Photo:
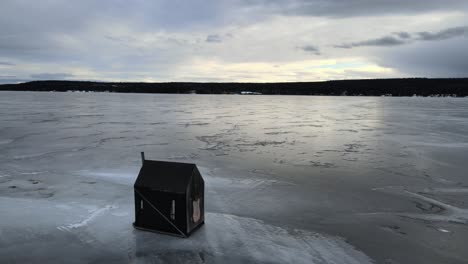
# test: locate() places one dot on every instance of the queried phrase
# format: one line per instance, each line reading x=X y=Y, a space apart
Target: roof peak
x=162 y=162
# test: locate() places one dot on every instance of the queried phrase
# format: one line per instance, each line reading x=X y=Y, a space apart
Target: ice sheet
x=289 y=179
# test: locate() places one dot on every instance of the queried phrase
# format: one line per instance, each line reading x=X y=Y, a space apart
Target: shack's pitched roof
x=165 y=176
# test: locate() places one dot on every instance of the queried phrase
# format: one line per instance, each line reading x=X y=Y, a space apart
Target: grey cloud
x=380 y=42
x=51 y=76
x=54 y=16
x=10 y=79
x=46 y=31
x=403 y=35
x=45 y=47
x=310 y=49
x=401 y=38
x=6 y=63
x=218 y=37
x=214 y=38
x=444 y=34
x=439 y=59
x=350 y=8
x=120 y=38
x=50 y=17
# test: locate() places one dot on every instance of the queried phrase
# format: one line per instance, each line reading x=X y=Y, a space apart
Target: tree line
x=376 y=87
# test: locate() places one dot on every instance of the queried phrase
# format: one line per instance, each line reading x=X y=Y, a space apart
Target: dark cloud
x=444 y=34
x=400 y=38
x=352 y=8
x=51 y=76
x=124 y=39
x=403 y=35
x=310 y=49
x=435 y=59
x=214 y=38
x=379 y=42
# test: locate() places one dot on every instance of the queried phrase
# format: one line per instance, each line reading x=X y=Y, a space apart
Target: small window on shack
x=196 y=210
x=173 y=210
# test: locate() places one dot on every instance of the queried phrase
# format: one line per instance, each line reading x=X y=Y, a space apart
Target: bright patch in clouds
x=307 y=70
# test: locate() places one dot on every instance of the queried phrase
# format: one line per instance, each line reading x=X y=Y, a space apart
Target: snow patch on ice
x=246 y=183
x=261 y=242
x=64 y=206
x=31 y=173
x=442 y=145
x=446 y=190
x=120 y=213
x=443 y=230
x=450 y=214
x=228 y=238
x=37 y=155
x=5 y=141
x=444 y=213
x=113 y=176
x=254 y=182
x=89 y=218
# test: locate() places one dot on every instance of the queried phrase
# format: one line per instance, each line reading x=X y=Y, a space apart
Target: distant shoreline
x=456 y=87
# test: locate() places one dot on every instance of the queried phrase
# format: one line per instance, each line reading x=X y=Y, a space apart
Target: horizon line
x=19 y=81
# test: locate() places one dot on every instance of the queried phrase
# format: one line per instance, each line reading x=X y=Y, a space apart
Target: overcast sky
x=236 y=40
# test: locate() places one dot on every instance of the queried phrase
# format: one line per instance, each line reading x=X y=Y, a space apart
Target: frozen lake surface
x=289 y=179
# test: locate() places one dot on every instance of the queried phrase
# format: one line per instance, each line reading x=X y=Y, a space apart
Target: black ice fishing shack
x=169 y=197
